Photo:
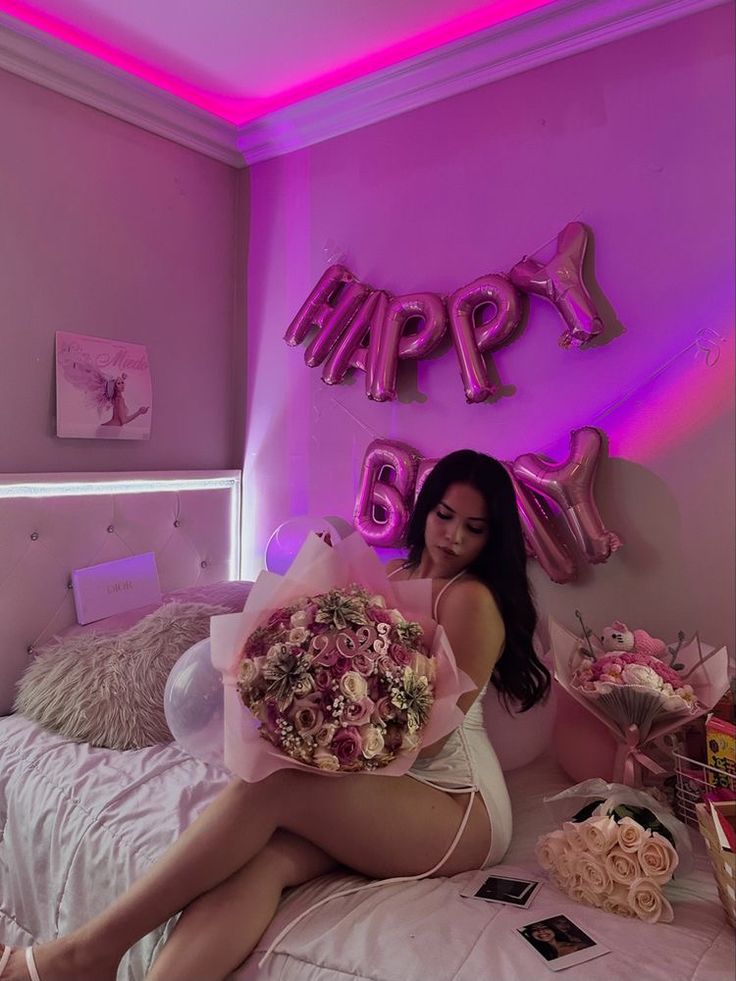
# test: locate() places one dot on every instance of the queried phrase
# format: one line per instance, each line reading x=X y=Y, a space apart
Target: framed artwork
x=103 y=388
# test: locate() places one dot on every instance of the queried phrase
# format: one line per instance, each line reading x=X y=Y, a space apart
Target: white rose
x=249 y=672
x=297 y=635
x=599 y=833
x=593 y=873
x=640 y=674
x=372 y=741
x=574 y=837
x=326 y=760
x=299 y=619
x=395 y=617
x=622 y=866
x=377 y=600
x=646 y=900
x=578 y=890
x=617 y=901
x=353 y=686
x=631 y=835
x=548 y=847
x=658 y=858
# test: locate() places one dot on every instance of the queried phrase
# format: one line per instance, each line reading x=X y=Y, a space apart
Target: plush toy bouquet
x=639 y=687
x=617 y=851
x=334 y=668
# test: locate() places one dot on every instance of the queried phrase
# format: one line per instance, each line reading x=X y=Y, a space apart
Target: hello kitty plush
x=618 y=637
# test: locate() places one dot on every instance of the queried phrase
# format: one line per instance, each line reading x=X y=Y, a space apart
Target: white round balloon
x=289 y=537
x=194 y=704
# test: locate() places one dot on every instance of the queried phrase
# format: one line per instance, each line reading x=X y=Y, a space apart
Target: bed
x=78 y=824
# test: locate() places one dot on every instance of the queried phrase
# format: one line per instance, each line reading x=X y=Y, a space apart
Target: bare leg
x=218 y=931
x=380 y=826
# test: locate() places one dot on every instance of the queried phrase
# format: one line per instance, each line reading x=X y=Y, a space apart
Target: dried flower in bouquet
x=338 y=681
x=615 y=856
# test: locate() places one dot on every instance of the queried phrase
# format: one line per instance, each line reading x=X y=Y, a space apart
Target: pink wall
x=635 y=139
x=109 y=230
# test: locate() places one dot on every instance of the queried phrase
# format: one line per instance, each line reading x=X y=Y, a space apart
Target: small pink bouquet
x=334 y=668
x=339 y=681
x=636 y=694
x=617 y=852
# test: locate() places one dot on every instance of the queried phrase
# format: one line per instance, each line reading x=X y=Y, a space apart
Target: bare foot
x=60 y=960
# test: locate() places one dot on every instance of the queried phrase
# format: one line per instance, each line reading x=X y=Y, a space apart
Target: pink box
x=115 y=587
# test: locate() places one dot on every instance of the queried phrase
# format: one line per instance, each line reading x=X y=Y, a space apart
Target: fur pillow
x=108 y=690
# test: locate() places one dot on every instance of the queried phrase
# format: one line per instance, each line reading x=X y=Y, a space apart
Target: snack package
x=720 y=742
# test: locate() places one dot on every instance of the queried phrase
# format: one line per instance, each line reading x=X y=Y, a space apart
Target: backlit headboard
x=51 y=524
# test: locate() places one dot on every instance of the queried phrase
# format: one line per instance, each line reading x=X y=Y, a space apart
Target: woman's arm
x=475 y=629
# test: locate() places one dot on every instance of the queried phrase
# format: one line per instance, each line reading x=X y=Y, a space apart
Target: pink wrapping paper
x=706 y=669
x=316 y=569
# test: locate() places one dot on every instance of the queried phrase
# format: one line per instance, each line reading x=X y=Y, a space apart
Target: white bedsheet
x=77 y=825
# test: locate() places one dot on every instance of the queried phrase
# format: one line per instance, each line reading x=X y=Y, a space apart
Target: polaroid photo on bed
x=509 y=890
x=559 y=942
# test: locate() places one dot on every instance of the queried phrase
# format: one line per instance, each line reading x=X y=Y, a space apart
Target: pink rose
x=631 y=835
x=658 y=858
x=347 y=746
x=323 y=679
x=400 y=655
x=356 y=713
x=307 y=717
x=383 y=710
x=646 y=900
x=363 y=664
x=342 y=665
x=622 y=866
x=599 y=833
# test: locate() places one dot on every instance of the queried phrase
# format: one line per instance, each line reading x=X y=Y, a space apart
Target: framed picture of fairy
x=103 y=388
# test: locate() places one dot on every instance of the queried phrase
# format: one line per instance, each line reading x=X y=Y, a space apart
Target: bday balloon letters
x=556 y=501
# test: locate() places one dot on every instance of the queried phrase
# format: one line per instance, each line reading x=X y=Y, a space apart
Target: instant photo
x=503 y=889
x=559 y=942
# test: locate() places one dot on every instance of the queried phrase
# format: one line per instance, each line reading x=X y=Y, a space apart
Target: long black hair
x=518 y=674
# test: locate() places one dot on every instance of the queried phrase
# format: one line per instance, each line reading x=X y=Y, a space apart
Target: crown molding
x=564 y=28
x=59 y=66
x=559 y=30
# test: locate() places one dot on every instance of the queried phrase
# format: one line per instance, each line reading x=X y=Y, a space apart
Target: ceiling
x=242 y=59
x=246 y=80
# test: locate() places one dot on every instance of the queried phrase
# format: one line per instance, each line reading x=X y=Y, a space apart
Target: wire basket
x=695 y=779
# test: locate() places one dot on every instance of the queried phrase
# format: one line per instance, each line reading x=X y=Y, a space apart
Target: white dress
x=468 y=762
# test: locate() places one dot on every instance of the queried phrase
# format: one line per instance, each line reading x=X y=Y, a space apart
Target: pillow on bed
x=108 y=689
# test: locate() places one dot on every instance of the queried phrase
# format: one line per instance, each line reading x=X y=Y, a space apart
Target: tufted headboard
x=51 y=524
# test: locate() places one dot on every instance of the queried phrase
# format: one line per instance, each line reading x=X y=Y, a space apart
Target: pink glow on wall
x=240 y=110
x=692 y=392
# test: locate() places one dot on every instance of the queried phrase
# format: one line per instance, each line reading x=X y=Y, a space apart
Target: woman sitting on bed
x=228 y=870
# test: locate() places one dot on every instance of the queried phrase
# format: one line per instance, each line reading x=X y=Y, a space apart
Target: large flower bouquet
x=339 y=681
x=636 y=695
x=617 y=852
x=334 y=668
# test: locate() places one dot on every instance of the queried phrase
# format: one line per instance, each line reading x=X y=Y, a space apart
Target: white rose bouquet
x=617 y=852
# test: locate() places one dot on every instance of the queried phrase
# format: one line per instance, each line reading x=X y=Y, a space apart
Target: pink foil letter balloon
x=471 y=340
x=387 y=343
x=350 y=351
x=329 y=307
x=569 y=485
x=561 y=281
x=391 y=492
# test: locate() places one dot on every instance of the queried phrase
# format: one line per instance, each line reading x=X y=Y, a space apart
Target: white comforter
x=77 y=825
